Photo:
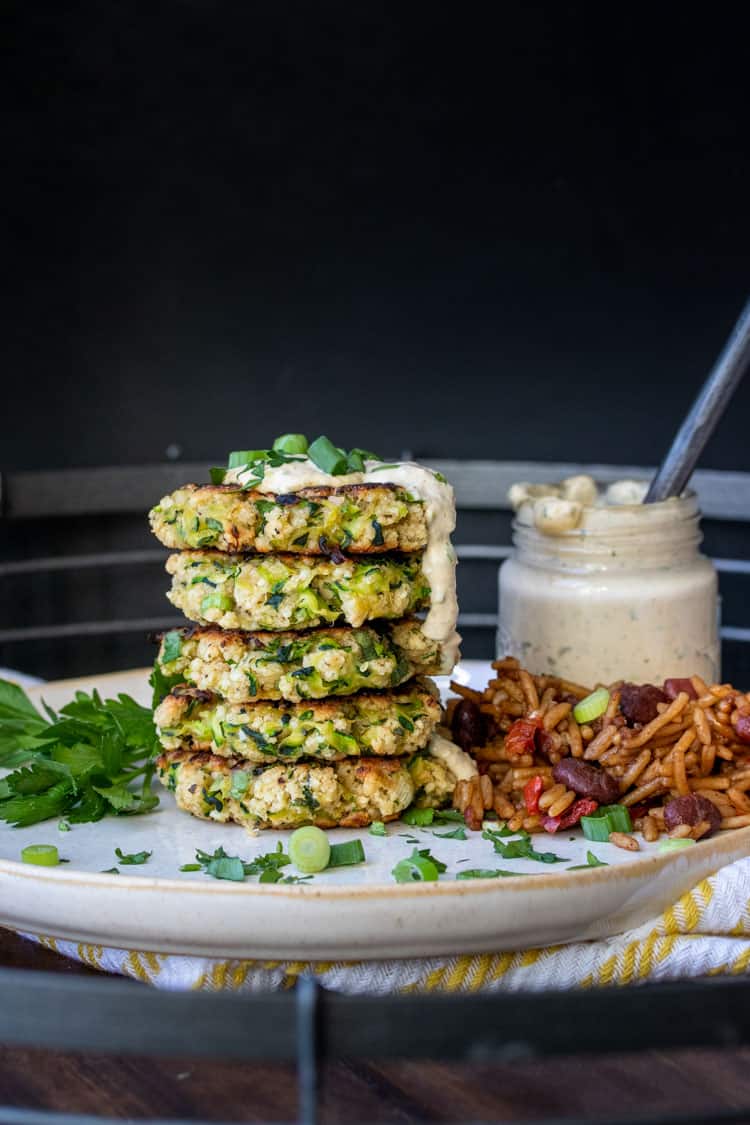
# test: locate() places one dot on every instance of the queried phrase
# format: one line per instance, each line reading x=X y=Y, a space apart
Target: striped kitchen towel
x=707 y=932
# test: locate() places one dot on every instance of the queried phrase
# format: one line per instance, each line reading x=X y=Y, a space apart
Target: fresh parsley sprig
x=93 y=758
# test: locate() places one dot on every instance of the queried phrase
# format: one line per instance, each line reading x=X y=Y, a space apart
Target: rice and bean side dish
x=671 y=759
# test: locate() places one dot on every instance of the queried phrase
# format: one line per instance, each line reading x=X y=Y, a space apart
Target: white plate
x=356 y=912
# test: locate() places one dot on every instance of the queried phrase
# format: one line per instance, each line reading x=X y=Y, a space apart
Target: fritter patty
x=293 y=591
x=348 y=794
x=242 y=667
x=356 y=518
x=380 y=723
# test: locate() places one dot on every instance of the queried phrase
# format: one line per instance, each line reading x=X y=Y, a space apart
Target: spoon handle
x=677 y=467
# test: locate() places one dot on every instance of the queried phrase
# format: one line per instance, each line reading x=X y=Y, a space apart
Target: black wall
x=407 y=227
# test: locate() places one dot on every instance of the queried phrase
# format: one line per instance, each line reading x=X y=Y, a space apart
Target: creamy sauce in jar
x=439 y=558
x=614 y=589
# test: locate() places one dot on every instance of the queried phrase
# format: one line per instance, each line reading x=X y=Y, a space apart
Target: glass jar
x=625 y=595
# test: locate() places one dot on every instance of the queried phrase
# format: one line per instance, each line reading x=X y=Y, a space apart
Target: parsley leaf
x=591 y=861
x=487 y=873
x=458 y=833
x=420 y=818
x=519 y=849
x=135 y=859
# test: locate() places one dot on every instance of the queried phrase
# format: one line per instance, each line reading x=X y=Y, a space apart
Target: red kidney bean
x=673 y=688
x=742 y=727
x=587 y=780
x=468 y=726
x=691 y=810
x=638 y=702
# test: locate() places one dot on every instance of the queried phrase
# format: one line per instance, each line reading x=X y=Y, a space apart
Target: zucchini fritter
x=356 y=518
x=379 y=723
x=242 y=667
x=348 y=794
x=293 y=591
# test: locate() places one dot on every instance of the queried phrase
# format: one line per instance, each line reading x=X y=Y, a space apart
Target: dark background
x=406 y=227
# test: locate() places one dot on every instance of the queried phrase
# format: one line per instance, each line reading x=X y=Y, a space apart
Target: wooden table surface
x=364 y=1091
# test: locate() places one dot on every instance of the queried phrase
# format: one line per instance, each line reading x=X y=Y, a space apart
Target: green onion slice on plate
x=309 y=849
x=43 y=855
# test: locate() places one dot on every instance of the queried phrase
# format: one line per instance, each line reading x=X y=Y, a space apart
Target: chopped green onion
x=377 y=828
x=241 y=457
x=596 y=828
x=416 y=869
x=608 y=818
x=43 y=855
x=217 y=475
x=345 y=855
x=190 y=867
x=291 y=443
x=216 y=601
x=309 y=849
x=675 y=845
x=328 y=457
x=619 y=818
x=592 y=706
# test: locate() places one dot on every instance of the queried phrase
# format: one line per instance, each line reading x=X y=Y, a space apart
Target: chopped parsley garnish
x=423 y=818
x=92 y=758
x=231 y=867
x=458 y=833
x=489 y=873
x=591 y=861
x=133 y=860
x=420 y=818
x=519 y=849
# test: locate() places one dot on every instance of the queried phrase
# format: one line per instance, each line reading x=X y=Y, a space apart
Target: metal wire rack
x=45 y=1010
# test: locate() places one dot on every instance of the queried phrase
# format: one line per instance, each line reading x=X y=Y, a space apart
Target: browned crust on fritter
x=294 y=559
x=321 y=708
x=314 y=492
x=253 y=639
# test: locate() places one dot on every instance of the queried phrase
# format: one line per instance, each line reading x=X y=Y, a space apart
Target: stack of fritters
x=300 y=694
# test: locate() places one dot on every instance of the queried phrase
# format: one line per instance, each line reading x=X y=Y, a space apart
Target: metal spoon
x=677 y=467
